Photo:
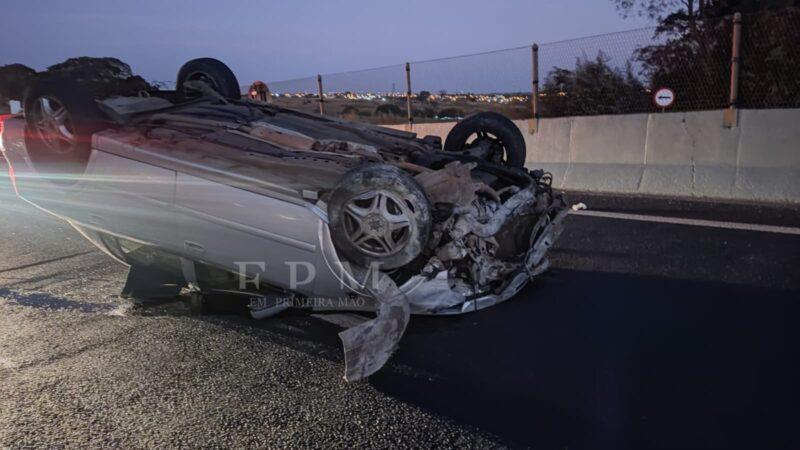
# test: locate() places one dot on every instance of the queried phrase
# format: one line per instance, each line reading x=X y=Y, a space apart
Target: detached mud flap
x=369 y=345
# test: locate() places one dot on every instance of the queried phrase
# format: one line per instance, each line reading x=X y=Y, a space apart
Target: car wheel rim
x=378 y=223
x=54 y=125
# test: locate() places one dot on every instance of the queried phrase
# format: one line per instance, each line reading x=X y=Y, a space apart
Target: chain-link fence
x=615 y=73
x=594 y=75
x=770 y=56
x=451 y=88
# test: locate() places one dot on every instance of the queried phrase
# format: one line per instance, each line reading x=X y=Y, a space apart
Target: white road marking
x=695 y=222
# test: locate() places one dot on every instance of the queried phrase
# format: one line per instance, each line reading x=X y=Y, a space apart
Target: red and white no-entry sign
x=664 y=97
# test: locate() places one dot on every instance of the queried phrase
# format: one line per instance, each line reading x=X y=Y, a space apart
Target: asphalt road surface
x=645 y=334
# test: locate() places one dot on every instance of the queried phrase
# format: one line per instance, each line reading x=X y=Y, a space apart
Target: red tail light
x=3 y=117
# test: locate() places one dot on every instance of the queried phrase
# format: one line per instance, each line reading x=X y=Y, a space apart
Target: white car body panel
x=224 y=226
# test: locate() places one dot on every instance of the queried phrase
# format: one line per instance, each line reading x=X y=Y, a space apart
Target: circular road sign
x=664 y=97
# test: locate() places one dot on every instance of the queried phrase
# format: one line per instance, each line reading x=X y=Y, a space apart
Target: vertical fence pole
x=533 y=124
x=730 y=116
x=408 y=97
x=321 y=97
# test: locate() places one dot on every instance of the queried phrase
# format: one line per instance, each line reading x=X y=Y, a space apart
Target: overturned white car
x=200 y=189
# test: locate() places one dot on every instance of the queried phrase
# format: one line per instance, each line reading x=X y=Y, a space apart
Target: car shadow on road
x=295 y=329
x=47 y=301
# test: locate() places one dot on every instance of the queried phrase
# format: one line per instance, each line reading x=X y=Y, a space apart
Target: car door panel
x=238 y=229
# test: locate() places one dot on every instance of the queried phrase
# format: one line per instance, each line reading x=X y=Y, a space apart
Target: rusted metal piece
x=730 y=117
x=259 y=91
x=411 y=167
x=533 y=123
x=321 y=96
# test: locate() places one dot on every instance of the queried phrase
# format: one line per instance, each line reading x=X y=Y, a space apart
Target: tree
x=451 y=113
x=104 y=77
x=669 y=11
x=695 y=58
x=424 y=96
x=14 y=80
x=653 y=9
x=388 y=113
x=678 y=16
x=593 y=87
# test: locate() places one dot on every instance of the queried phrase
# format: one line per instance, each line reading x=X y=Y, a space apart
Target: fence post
x=321 y=97
x=730 y=116
x=408 y=97
x=533 y=124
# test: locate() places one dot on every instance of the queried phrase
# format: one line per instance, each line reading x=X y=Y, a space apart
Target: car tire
x=379 y=215
x=61 y=118
x=490 y=125
x=213 y=72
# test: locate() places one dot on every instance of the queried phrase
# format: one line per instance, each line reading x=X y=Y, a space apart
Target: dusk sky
x=277 y=40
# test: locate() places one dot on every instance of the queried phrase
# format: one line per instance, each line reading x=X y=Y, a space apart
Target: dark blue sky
x=276 y=40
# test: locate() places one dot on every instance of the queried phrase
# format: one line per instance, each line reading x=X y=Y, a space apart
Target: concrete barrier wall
x=688 y=154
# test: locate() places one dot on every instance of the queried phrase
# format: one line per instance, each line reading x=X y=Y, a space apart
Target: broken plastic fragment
x=369 y=345
x=578 y=206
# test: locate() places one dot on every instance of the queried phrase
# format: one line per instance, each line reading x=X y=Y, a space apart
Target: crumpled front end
x=488 y=244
